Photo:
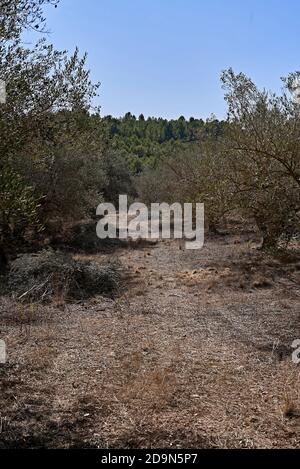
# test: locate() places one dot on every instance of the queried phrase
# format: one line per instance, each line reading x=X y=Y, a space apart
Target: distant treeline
x=162 y=130
x=145 y=140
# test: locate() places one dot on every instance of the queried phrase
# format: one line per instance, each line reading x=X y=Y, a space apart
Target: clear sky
x=164 y=57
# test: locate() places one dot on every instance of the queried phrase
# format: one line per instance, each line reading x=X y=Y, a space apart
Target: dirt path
x=196 y=353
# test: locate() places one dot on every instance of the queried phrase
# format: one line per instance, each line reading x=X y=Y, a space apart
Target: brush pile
x=46 y=274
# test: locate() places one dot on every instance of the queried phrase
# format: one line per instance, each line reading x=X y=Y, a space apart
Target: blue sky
x=164 y=57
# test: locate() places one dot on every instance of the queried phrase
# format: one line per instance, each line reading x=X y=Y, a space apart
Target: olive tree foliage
x=190 y=173
x=51 y=147
x=46 y=132
x=19 y=205
x=16 y=15
x=262 y=150
x=39 y=82
x=253 y=168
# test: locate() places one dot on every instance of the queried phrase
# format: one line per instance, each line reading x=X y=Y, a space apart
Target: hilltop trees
x=162 y=130
x=146 y=141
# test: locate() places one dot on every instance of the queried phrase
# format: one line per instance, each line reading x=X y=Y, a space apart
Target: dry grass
x=173 y=363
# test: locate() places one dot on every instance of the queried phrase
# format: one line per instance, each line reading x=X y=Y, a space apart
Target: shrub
x=83 y=238
x=43 y=275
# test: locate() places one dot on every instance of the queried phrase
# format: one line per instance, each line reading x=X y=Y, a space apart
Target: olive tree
x=50 y=146
x=16 y=15
x=263 y=153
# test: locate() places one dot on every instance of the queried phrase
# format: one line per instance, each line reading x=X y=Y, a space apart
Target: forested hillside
x=145 y=141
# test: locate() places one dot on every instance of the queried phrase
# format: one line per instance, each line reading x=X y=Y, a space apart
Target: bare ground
x=196 y=353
